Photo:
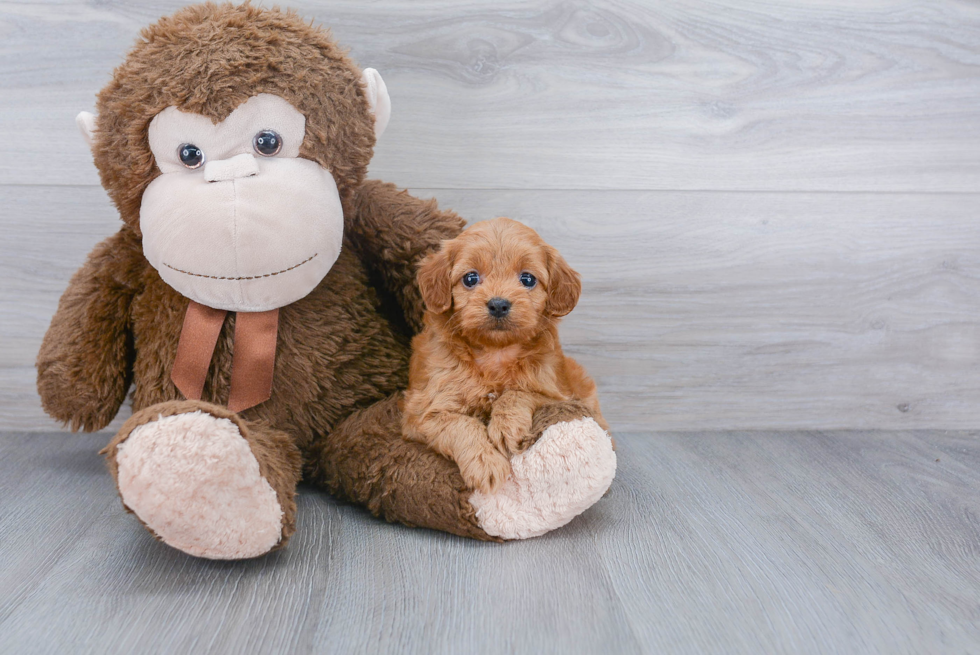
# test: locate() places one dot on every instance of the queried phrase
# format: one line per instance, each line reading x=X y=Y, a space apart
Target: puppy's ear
x=433 y=278
x=564 y=285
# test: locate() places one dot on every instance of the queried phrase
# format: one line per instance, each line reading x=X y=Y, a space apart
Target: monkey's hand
x=392 y=231
x=84 y=367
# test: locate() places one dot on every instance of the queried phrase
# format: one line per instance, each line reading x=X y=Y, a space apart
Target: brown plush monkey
x=259 y=298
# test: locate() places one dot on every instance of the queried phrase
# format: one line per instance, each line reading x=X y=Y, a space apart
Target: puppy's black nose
x=498 y=307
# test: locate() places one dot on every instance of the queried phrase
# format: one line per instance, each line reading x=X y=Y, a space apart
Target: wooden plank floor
x=709 y=542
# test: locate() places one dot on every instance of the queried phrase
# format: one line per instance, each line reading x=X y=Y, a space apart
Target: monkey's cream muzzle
x=242 y=232
x=248 y=243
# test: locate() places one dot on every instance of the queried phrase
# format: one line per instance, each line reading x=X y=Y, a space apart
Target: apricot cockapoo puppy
x=489 y=356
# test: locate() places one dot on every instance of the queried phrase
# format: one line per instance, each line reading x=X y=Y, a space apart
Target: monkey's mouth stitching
x=244 y=277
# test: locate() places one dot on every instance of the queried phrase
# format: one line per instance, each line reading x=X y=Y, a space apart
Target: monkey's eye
x=528 y=280
x=471 y=279
x=190 y=155
x=267 y=143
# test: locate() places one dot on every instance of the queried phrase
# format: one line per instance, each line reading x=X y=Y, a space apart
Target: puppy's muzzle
x=498 y=307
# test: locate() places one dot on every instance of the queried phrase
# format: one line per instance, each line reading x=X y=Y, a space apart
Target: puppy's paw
x=486 y=471
x=508 y=432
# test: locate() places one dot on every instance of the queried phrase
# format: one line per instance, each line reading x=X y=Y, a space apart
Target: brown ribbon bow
x=252 y=363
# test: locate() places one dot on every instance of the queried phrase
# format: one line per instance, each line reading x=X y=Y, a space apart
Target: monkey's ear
x=434 y=283
x=564 y=285
x=86 y=125
x=378 y=100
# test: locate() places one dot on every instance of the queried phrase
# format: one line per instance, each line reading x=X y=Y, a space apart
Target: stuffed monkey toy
x=259 y=298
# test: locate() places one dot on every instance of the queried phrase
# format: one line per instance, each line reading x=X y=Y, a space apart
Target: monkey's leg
x=567 y=466
x=205 y=481
x=365 y=460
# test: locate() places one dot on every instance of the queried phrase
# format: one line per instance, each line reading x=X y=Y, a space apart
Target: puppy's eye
x=190 y=155
x=471 y=279
x=267 y=143
x=528 y=280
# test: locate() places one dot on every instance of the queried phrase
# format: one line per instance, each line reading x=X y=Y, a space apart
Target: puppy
x=488 y=355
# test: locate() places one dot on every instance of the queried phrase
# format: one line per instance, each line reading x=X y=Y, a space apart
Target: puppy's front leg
x=464 y=440
x=510 y=419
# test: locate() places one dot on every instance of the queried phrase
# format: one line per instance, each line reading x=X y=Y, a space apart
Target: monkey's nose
x=243 y=165
x=498 y=307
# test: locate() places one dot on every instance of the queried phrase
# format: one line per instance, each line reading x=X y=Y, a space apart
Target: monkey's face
x=237 y=220
x=228 y=139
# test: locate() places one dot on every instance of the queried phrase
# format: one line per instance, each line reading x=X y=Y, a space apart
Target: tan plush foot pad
x=569 y=468
x=192 y=479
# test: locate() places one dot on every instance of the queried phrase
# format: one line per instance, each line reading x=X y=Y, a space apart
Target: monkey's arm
x=392 y=231
x=84 y=367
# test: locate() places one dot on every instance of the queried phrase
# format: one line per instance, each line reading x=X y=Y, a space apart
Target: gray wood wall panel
x=752 y=542
x=773 y=204
x=819 y=95
x=700 y=310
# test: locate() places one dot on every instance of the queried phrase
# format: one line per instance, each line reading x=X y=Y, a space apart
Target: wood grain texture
x=805 y=542
x=712 y=94
x=700 y=310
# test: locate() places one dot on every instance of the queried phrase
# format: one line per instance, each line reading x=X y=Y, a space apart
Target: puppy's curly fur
x=489 y=356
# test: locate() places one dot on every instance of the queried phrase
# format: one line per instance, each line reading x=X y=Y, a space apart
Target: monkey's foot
x=564 y=473
x=193 y=481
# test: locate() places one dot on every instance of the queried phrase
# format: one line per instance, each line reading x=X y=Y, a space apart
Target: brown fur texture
x=366 y=462
x=476 y=379
x=342 y=351
x=85 y=365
